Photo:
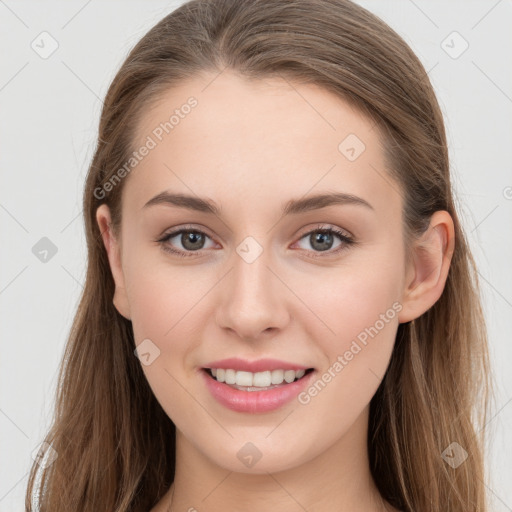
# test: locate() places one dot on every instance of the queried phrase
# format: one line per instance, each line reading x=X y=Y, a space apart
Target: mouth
x=260 y=392
x=258 y=381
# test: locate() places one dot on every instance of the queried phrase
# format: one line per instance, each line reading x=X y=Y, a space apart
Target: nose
x=252 y=299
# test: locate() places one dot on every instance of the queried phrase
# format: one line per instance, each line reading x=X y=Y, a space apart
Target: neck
x=337 y=479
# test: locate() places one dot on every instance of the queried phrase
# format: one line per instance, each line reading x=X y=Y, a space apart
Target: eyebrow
x=292 y=207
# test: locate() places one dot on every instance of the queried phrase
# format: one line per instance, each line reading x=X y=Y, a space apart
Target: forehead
x=239 y=141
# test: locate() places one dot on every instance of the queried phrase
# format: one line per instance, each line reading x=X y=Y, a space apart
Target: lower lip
x=255 y=401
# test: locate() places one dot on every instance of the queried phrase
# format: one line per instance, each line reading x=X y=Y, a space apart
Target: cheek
x=362 y=310
x=165 y=303
x=158 y=293
x=153 y=304
x=355 y=323
x=350 y=299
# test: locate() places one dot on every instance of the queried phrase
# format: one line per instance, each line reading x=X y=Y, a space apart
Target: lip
x=261 y=365
x=255 y=401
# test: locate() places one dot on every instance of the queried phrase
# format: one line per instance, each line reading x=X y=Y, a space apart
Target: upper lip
x=259 y=365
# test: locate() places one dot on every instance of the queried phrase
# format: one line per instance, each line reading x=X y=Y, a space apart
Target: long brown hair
x=115 y=444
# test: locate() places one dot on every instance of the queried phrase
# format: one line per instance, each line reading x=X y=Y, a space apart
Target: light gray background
x=49 y=111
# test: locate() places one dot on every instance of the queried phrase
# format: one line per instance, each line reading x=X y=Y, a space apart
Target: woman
x=281 y=311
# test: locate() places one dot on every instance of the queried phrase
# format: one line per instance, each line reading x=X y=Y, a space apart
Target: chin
x=256 y=458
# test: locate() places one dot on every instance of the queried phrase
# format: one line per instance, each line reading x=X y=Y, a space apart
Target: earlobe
x=431 y=258
x=113 y=250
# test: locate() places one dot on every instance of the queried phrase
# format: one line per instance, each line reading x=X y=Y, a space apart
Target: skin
x=251 y=146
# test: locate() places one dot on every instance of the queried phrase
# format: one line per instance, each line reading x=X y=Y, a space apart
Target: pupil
x=324 y=239
x=188 y=239
x=321 y=241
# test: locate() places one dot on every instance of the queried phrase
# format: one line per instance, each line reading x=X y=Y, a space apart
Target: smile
x=258 y=392
x=255 y=381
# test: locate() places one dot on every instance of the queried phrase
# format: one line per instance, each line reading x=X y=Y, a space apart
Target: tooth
x=256 y=380
x=277 y=376
x=243 y=378
x=230 y=377
x=289 y=376
x=262 y=379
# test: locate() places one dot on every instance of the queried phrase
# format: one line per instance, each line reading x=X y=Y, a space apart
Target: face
x=269 y=274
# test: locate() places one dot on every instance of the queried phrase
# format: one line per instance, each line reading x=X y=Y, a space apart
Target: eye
x=191 y=240
x=322 y=239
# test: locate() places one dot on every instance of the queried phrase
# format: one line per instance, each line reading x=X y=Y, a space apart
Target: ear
x=428 y=270
x=113 y=247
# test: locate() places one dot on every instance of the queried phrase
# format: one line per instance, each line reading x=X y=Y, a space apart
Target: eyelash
x=346 y=241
